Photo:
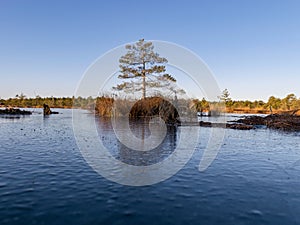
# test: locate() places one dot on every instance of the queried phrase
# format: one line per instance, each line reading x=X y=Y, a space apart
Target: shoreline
x=262 y=111
x=228 y=110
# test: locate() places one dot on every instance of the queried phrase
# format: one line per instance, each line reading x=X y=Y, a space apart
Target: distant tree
x=274 y=102
x=175 y=90
x=200 y=106
x=205 y=104
x=20 y=100
x=225 y=98
x=21 y=96
x=196 y=105
x=288 y=101
x=258 y=104
x=296 y=104
x=144 y=68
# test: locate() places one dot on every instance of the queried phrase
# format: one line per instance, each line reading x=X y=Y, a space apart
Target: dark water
x=44 y=179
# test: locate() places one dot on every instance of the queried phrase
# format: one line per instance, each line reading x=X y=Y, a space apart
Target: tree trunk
x=144 y=81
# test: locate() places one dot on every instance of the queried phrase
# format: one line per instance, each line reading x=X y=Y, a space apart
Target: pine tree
x=144 y=68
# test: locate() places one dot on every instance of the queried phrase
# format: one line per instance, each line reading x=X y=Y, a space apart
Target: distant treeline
x=53 y=102
x=290 y=102
x=104 y=104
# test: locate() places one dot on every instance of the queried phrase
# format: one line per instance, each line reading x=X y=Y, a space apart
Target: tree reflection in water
x=141 y=130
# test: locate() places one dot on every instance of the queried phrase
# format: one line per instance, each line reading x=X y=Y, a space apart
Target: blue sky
x=252 y=47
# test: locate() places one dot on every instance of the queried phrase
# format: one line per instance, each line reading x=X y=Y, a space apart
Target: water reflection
x=45 y=180
x=12 y=117
x=141 y=130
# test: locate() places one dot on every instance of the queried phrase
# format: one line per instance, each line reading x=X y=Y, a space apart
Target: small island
x=14 y=111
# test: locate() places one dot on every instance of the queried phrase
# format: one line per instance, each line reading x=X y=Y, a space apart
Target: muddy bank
x=284 y=122
x=227 y=125
x=261 y=111
x=13 y=111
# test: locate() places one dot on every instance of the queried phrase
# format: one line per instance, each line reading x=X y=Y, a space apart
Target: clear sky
x=252 y=46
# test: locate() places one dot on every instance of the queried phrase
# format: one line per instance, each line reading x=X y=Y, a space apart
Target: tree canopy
x=144 y=68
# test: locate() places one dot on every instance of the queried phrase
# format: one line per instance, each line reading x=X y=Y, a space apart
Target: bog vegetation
x=104 y=104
